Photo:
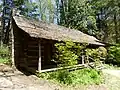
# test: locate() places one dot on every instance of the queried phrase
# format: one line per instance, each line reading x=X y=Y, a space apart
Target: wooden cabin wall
x=47 y=53
x=26 y=50
x=19 y=54
x=33 y=52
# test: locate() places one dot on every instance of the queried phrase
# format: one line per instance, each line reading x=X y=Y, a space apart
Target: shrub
x=84 y=76
x=4 y=55
x=96 y=54
x=68 y=53
x=4 y=51
x=114 y=55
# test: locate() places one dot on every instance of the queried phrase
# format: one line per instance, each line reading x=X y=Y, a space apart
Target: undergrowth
x=70 y=54
x=4 y=55
x=85 y=76
x=114 y=55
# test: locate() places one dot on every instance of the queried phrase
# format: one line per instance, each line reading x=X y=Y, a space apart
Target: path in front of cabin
x=112 y=72
x=16 y=80
x=112 y=78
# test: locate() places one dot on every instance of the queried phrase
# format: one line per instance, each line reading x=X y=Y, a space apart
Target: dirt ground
x=15 y=80
x=112 y=78
x=115 y=73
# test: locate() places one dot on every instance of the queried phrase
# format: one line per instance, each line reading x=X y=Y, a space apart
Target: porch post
x=13 y=42
x=39 y=62
x=83 y=58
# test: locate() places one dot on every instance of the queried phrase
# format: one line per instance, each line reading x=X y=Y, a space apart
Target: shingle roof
x=40 y=29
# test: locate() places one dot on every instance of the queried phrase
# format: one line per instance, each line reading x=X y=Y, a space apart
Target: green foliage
x=84 y=76
x=4 y=51
x=114 y=55
x=18 y=2
x=93 y=53
x=95 y=17
x=108 y=23
x=46 y=10
x=68 y=53
x=4 y=55
x=38 y=9
x=78 y=14
x=5 y=61
x=96 y=54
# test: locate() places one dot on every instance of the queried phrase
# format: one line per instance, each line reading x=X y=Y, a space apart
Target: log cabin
x=33 y=41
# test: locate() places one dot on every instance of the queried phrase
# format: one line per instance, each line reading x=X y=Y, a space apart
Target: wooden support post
x=83 y=59
x=13 y=61
x=39 y=62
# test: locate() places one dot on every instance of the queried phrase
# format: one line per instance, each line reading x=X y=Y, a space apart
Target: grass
x=4 y=55
x=5 y=61
x=85 y=76
x=83 y=80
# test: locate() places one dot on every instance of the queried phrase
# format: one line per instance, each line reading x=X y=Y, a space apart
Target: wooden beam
x=39 y=62
x=13 y=54
x=83 y=59
x=74 y=67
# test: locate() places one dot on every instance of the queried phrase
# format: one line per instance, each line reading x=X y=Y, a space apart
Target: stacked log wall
x=33 y=53
x=26 y=50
